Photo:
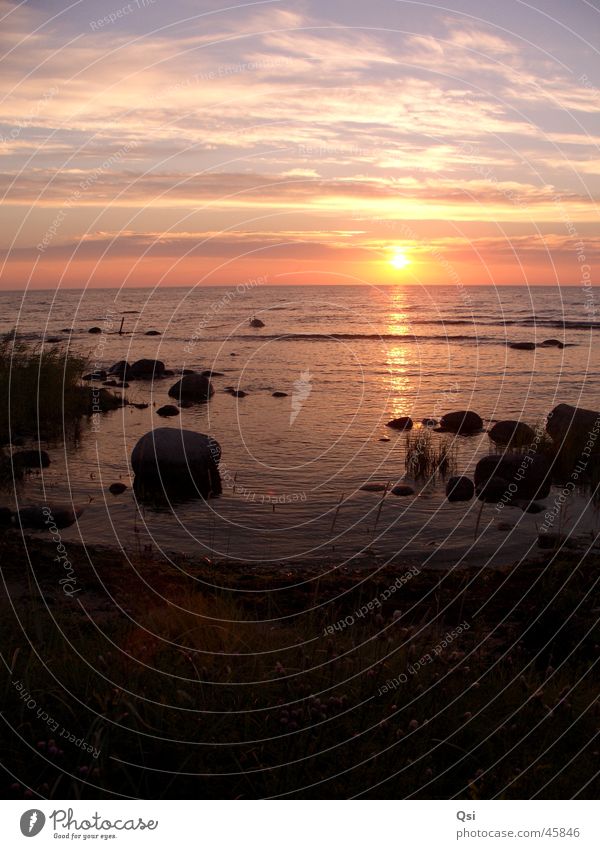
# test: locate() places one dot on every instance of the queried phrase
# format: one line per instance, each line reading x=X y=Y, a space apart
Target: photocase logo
x=32 y=822
x=301 y=391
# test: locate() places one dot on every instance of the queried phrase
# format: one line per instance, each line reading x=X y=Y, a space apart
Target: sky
x=315 y=141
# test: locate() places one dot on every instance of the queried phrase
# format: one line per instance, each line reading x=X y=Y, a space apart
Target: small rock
x=522 y=346
x=95 y=330
x=117 y=488
x=460 y=488
x=402 y=423
x=192 y=387
x=5 y=517
x=403 y=489
x=279 y=394
x=384 y=439
x=553 y=343
x=141 y=406
x=373 y=487
x=152 y=333
x=256 y=322
x=167 y=410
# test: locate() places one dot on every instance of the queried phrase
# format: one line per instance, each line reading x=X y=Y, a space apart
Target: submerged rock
x=508 y=431
x=402 y=489
x=512 y=477
x=152 y=333
x=170 y=458
x=192 y=387
x=463 y=421
x=117 y=488
x=460 y=488
x=401 y=423
x=146 y=369
x=167 y=410
x=373 y=487
x=522 y=346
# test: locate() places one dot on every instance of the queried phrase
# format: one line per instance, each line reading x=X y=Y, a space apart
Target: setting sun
x=399 y=260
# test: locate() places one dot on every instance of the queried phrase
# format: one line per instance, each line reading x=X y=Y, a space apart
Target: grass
x=40 y=395
x=425 y=458
x=227 y=694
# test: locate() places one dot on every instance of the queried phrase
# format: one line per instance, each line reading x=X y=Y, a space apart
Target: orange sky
x=299 y=142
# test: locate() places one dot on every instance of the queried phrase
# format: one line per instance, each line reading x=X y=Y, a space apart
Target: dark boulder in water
x=95 y=330
x=553 y=343
x=279 y=394
x=512 y=477
x=401 y=423
x=117 y=488
x=167 y=410
x=31 y=459
x=176 y=460
x=237 y=393
x=48 y=516
x=509 y=431
x=463 y=421
x=119 y=369
x=256 y=322
x=146 y=369
x=576 y=426
x=522 y=346
x=460 y=488
x=402 y=489
x=192 y=387
x=152 y=333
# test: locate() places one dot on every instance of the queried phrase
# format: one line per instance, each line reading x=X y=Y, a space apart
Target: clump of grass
x=426 y=459
x=40 y=395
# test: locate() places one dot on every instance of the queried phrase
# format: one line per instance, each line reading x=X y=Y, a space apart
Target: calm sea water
x=349 y=359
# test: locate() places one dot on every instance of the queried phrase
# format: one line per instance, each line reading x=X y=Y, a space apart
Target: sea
x=349 y=359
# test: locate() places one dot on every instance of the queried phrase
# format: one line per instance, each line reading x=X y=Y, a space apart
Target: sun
x=399 y=259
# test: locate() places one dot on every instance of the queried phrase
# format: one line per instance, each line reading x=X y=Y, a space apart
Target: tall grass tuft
x=40 y=395
x=424 y=459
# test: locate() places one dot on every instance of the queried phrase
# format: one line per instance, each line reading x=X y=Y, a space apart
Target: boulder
x=146 y=369
x=279 y=394
x=402 y=489
x=576 y=426
x=167 y=411
x=95 y=330
x=401 y=423
x=173 y=458
x=117 y=488
x=5 y=517
x=119 y=369
x=47 y=516
x=460 y=488
x=192 y=387
x=505 y=432
x=522 y=346
x=463 y=421
x=32 y=459
x=553 y=343
x=256 y=322
x=512 y=477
